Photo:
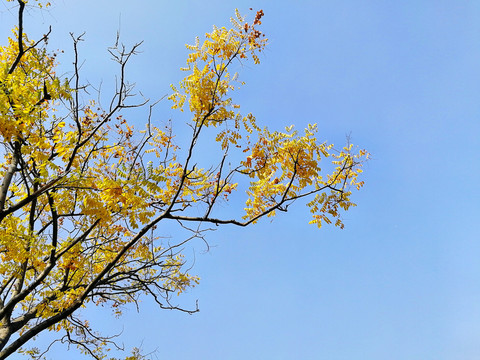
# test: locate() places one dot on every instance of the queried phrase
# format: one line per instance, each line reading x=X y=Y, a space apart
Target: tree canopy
x=83 y=192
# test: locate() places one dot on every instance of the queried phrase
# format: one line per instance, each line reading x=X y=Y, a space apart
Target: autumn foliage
x=83 y=193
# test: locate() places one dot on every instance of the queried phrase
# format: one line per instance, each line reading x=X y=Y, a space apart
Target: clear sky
x=402 y=280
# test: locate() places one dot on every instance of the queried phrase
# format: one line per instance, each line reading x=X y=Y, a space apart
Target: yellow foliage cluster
x=207 y=85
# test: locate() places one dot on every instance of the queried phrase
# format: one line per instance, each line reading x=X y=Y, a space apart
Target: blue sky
x=402 y=280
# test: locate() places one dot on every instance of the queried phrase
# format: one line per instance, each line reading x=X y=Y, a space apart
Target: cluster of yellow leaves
x=286 y=166
x=209 y=81
x=19 y=244
x=22 y=90
x=178 y=281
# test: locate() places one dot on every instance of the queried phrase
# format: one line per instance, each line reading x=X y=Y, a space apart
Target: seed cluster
x=254 y=33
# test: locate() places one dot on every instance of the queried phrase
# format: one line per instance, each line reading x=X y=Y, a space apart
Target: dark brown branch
x=20 y=37
x=12 y=168
x=29 y=198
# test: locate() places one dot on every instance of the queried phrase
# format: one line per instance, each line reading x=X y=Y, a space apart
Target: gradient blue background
x=402 y=280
